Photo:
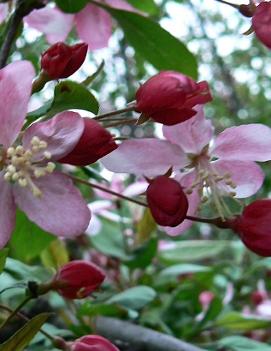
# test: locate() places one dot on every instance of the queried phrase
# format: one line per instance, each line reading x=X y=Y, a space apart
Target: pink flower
x=93 y=343
x=78 y=279
x=27 y=176
x=93 y=24
x=170 y=97
x=226 y=166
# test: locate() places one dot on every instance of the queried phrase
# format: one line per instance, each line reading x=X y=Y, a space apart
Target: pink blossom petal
x=149 y=157
x=52 y=22
x=249 y=142
x=191 y=135
x=61 y=210
x=94 y=26
x=3 y=12
x=7 y=211
x=15 y=94
x=136 y=188
x=247 y=175
x=61 y=133
x=193 y=201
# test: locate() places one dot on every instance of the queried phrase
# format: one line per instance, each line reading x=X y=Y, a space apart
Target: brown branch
x=131 y=337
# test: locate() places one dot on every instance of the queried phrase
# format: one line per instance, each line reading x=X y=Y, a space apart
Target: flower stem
x=116 y=112
x=96 y=186
x=218 y=222
x=229 y=3
x=15 y=312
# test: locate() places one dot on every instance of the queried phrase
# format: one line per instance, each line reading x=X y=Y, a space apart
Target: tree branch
x=131 y=337
x=22 y=9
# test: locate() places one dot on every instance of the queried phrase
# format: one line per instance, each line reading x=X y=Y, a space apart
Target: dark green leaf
x=70 y=95
x=134 y=298
x=22 y=337
x=142 y=257
x=236 y=321
x=154 y=44
x=71 y=6
x=28 y=240
x=147 y=6
x=3 y=256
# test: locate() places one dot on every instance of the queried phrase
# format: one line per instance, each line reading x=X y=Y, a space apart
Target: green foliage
x=28 y=240
x=71 y=6
x=155 y=44
x=3 y=256
x=24 y=336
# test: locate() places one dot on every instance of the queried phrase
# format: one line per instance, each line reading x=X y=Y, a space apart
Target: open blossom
x=226 y=167
x=170 y=97
x=93 y=24
x=28 y=178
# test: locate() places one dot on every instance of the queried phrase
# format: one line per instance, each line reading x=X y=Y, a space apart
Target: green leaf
x=145 y=227
x=240 y=343
x=134 y=298
x=142 y=257
x=71 y=6
x=3 y=256
x=147 y=6
x=70 y=95
x=193 y=250
x=28 y=240
x=179 y=269
x=155 y=44
x=110 y=240
x=236 y=321
x=22 y=337
x=55 y=255
x=92 y=310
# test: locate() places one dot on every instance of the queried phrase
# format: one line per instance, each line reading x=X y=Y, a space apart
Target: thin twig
x=117 y=112
x=93 y=185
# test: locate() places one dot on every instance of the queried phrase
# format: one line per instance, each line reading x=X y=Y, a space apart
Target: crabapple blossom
x=93 y=24
x=27 y=170
x=167 y=201
x=206 y=167
x=61 y=60
x=77 y=279
x=169 y=97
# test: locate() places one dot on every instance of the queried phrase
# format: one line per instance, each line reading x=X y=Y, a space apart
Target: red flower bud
x=61 y=60
x=95 y=143
x=257 y=297
x=261 y=23
x=169 y=97
x=77 y=279
x=93 y=343
x=167 y=201
x=254 y=227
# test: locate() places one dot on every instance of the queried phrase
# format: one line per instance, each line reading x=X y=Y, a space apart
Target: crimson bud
x=257 y=297
x=61 y=60
x=93 y=343
x=169 y=97
x=167 y=201
x=95 y=143
x=254 y=226
x=261 y=23
x=77 y=279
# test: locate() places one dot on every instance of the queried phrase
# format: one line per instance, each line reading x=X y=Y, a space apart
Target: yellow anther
x=22 y=182
x=50 y=167
x=15 y=176
x=43 y=144
x=35 y=140
x=10 y=151
x=7 y=176
x=47 y=155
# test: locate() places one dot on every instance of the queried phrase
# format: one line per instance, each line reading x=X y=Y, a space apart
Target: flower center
x=21 y=168
x=210 y=184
